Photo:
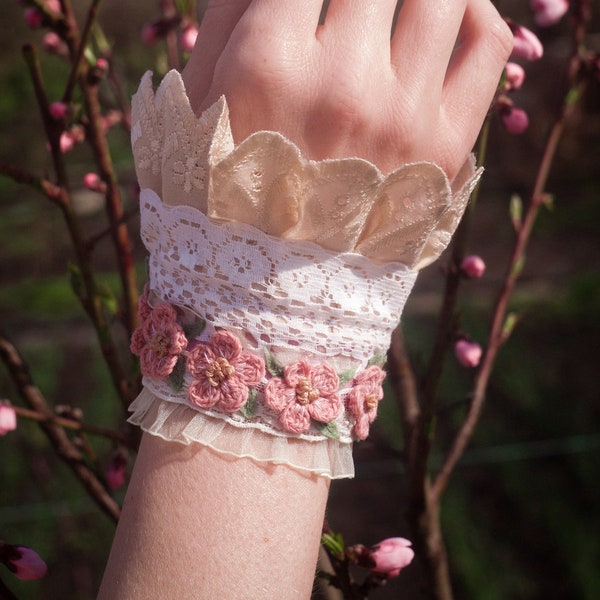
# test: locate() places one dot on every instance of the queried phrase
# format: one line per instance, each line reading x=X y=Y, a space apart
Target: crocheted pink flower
x=305 y=392
x=159 y=340
x=363 y=399
x=223 y=373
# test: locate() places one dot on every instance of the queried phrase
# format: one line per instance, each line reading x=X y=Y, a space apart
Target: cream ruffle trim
x=180 y=423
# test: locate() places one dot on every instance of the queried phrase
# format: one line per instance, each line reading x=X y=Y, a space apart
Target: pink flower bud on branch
x=116 y=474
x=93 y=183
x=58 y=110
x=54 y=44
x=467 y=353
x=8 y=419
x=187 y=37
x=527 y=45
x=515 y=76
x=54 y=6
x=549 y=12
x=473 y=266
x=390 y=556
x=515 y=120
x=33 y=17
x=22 y=561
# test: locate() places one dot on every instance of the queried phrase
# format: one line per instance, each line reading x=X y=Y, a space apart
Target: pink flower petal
x=296 y=371
x=325 y=409
x=278 y=394
x=250 y=368
x=295 y=418
x=325 y=379
x=204 y=395
x=225 y=344
x=233 y=394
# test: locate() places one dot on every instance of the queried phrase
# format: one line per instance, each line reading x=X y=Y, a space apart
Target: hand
x=342 y=86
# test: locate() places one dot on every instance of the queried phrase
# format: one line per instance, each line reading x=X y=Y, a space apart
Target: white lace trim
x=180 y=423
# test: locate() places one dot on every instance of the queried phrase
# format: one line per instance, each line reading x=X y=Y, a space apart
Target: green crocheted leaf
x=378 y=360
x=273 y=366
x=249 y=408
x=329 y=429
x=345 y=377
x=177 y=375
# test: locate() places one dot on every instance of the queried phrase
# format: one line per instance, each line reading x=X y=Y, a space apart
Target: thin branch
x=57 y=436
x=497 y=336
x=46 y=187
x=75 y=425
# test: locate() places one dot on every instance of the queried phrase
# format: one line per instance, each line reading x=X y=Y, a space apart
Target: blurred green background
x=521 y=513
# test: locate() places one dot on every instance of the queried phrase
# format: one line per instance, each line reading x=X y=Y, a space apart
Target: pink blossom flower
x=515 y=76
x=149 y=34
x=116 y=474
x=159 y=341
x=93 y=182
x=23 y=562
x=33 y=17
x=54 y=6
x=8 y=419
x=187 y=37
x=54 y=44
x=526 y=44
x=223 y=373
x=306 y=392
x=515 y=119
x=110 y=119
x=473 y=266
x=363 y=399
x=549 y=12
x=58 y=110
x=390 y=556
x=467 y=353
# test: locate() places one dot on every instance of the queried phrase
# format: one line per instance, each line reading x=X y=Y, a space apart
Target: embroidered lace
x=304 y=259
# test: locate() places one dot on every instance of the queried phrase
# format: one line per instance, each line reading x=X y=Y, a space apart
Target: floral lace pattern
x=217 y=374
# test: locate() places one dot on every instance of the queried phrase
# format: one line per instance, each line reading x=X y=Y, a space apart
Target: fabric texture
x=306 y=265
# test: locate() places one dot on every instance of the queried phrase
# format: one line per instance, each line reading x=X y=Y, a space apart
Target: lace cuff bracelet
x=274 y=283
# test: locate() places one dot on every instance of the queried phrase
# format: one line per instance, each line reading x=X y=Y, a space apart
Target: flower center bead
x=305 y=392
x=218 y=371
x=370 y=402
x=160 y=344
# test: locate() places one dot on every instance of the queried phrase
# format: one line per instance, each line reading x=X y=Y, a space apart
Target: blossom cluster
x=226 y=378
x=527 y=47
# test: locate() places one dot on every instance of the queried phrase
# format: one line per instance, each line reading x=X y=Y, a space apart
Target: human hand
x=343 y=87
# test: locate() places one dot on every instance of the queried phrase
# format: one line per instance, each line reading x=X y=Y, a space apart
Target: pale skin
x=199 y=525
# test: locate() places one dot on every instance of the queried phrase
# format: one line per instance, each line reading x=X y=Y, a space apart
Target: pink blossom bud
x=116 y=474
x=187 y=38
x=102 y=65
x=515 y=76
x=110 y=119
x=93 y=182
x=67 y=142
x=473 y=266
x=54 y=6
x=526 y=44
x=549 y=12
x=149 y=34
x=467 y=353
x=54 y=44
x=515 y=119
x=391 y=556
x=8 y=419
x=33 y=17
x=24 y=562
x=58 y=110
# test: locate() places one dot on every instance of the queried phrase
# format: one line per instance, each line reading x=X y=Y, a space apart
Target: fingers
x=423 y=41
x=485 y=42
x=362 y=29
x=218 y=22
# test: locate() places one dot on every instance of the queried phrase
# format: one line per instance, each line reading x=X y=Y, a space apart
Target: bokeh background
x=521 y=515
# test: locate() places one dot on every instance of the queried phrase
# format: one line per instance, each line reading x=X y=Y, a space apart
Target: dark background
x=521 y=513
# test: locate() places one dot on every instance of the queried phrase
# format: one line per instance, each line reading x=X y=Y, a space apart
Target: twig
x=496 y=336
x=57 y=436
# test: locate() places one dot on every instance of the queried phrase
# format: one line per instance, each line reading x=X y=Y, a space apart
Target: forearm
x=200 y=525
